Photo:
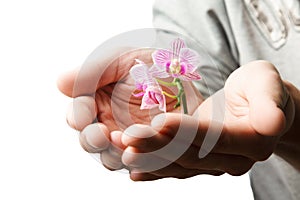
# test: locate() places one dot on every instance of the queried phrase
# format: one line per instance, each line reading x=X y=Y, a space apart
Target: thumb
x=267 y=99
x=102 y=67
x=266 y=117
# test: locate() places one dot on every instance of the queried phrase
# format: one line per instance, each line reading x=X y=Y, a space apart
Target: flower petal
x=147 y=102
x=190 y=57
x=158 y=72
x=154 y=97
x=138 y=94
x=176 y=46
x=193 y=76
x=161 y=57
x=162 y=103
x=140 y=73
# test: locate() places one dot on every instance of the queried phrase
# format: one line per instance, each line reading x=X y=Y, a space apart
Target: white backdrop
x=40 y=155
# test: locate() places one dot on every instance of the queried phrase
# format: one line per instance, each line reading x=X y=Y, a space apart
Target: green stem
x=184 y=104
x=181 y=96
x=166 y=83
x=169 y=95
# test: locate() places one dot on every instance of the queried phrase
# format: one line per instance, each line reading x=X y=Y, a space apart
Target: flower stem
x=181 y=96
x=166 y=83
x=169 y=95
x=184 y=104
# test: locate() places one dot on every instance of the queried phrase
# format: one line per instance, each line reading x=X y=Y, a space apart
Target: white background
x=40 y=155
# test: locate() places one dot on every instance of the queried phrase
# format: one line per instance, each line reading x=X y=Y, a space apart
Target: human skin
x=260 y=118
x=102 y=92
x=258 y=121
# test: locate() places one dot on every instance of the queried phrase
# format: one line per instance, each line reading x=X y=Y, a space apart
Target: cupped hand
x=228 y=133
x=103 y=105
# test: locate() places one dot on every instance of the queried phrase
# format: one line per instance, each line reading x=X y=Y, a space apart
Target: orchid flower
x=150 y=90
x=179 y=61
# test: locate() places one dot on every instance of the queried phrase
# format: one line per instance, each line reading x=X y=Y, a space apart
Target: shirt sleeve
x=206 y=23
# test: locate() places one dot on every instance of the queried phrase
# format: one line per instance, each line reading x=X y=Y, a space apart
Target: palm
x=252 y=106
x=106 y=77
x=255 y=98
x=237 y=111
x=118 y=108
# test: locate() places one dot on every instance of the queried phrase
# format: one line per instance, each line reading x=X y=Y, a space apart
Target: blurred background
x=40 y=155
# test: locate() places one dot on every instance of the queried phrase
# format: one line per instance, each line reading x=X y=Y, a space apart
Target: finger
x=116 y=139
x=65 y=82
x=144 y=137
x=189 y=159
x=232 y=164
x=181 y=128
x=94 y=138
x=155 y=165
x=100 y=69
x=150 y=142
x=176 y=171
x=145 y=162
x=112 y=158
x=170 y=135
x=84 y=80
x=82 y=112
x=173 y=170
x=139 y=176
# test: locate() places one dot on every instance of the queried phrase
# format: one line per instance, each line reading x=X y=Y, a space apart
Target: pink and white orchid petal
x=139 y=61
x=162 y=102
x=158 y=72
x=176 y=47
x=147 y=102
x=154 y=97
x=140 y=94
x=193 y=76
x=184 y=68
x=190 y=57
x=140 y=73
x=161 y=57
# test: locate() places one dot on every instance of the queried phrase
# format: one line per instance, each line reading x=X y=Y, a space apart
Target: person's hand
x=228 y=133
x=103 y=104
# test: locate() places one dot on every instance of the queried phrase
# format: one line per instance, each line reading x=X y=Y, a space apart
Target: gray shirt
x=235 y=32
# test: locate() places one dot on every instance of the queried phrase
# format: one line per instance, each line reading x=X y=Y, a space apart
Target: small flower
x=154 y=97
x=150 y=90
x=179 y=62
